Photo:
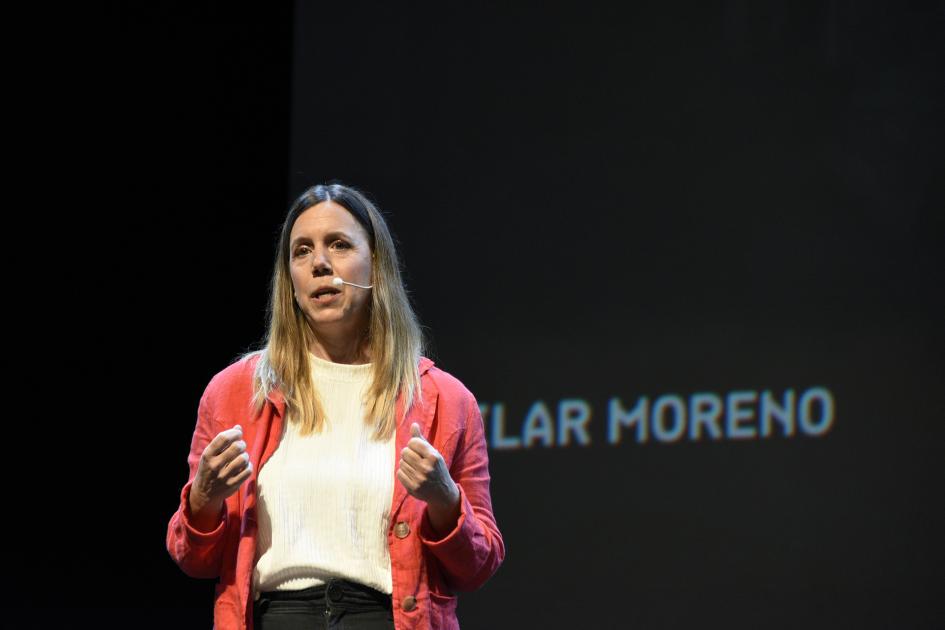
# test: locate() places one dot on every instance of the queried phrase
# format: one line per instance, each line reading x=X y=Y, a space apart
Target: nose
x=320 y=264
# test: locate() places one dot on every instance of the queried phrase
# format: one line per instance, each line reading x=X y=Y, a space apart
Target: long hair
x=394 y=336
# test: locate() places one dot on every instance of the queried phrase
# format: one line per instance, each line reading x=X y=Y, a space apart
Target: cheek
x=356 y=268
x=297 y=287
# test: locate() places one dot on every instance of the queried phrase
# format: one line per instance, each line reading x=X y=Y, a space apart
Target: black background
x=590 y=202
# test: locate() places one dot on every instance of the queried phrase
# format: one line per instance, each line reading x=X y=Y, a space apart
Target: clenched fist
x=425 y=476
x=224 y=465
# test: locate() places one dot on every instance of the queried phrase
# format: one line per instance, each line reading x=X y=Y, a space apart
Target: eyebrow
x=339 y=234
x=330 y=235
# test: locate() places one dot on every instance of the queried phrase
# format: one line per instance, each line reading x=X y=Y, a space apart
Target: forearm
x=195 y=537
x=472 y=551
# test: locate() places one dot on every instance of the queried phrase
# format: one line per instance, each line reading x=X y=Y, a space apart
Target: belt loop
x=261 y=605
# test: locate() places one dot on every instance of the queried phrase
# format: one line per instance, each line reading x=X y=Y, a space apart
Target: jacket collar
x=423 y=412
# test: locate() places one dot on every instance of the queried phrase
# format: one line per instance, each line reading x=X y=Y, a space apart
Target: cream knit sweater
x=324 y=499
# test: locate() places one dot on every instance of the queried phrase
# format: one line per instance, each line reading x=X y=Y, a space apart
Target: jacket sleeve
x=471 y=553
x=198 y=553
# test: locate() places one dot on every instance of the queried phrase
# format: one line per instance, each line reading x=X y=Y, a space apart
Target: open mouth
x=325 y=294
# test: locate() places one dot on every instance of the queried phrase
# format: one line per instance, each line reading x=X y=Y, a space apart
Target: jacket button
x=401 y=529
x=410 y=602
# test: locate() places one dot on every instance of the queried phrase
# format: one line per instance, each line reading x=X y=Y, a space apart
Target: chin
x=324 y=320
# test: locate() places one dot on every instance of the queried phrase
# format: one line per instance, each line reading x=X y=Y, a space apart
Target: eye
x=339 y=244
x=300 y=251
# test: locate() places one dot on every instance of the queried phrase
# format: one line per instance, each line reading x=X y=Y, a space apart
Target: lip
x=325 y=298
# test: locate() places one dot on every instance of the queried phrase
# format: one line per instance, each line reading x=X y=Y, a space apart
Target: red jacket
x=426 y=571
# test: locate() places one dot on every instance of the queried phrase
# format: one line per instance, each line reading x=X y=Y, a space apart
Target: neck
x=347 y=349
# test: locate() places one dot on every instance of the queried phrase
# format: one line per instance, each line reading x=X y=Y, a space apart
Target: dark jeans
x=337 y=605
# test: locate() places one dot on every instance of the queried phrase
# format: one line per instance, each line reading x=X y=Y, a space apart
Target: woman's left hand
x=425 y=475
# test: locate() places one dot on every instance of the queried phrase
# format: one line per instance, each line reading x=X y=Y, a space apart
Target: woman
x=337 y=478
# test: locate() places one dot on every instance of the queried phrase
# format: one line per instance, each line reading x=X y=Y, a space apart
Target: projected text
x=702 y=416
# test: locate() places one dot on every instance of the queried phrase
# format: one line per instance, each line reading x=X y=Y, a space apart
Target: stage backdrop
x=687 y=256
x=688 y=259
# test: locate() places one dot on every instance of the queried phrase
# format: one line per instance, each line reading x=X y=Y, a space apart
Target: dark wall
x=617 y=218
x=664 y=224
x=166 y=177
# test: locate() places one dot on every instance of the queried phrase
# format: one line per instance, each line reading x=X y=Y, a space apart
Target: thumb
x=415 y=431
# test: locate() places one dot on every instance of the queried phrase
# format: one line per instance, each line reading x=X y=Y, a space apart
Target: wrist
x=196 y=500
x=443 y=515
x=205 y=514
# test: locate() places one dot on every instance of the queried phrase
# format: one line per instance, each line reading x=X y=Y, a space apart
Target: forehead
x=326 y=217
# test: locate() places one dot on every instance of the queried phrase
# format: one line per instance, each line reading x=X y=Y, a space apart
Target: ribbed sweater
x=324 y=498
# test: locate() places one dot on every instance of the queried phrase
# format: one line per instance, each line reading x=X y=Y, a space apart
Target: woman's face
x=327 y=241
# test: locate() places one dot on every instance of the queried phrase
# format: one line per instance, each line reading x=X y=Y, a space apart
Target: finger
x=415 y=431
x=424 y=450
x=236 y=465
x=411 y=456
x=420 y=447
x=232 y=452
x=406 y=481
x=413 y=471
x=245 y=474
x=235 y=449
x=223 y=440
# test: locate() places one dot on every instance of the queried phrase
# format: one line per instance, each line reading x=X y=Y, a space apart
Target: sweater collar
x=278 y=400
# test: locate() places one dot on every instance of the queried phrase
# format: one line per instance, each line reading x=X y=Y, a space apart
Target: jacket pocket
x=443 y=610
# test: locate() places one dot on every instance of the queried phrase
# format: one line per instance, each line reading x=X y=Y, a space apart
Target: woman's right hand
x=224 y=466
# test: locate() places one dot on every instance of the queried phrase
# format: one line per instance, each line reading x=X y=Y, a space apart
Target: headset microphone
x=338 y=282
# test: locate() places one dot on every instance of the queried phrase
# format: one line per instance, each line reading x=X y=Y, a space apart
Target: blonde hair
x=394 y=335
